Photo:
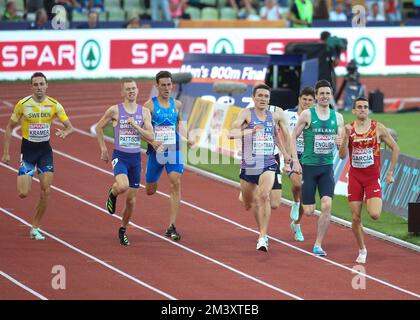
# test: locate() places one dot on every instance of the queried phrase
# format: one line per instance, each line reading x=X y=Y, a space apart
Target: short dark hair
x=325 y=35
x=39 y=74
x=260 y=86
x=360 y=99
x=307 y=91
x=321 y=84
x=163 y=74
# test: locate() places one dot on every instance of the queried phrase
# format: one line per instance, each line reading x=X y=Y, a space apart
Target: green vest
x=318 y=140
x=305 y=12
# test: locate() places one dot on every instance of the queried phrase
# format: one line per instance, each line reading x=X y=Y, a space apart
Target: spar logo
x=37 y=55
x=223 y=46
x=402 y=51
x=91 y=55
x=364 y=51
x=156 y=53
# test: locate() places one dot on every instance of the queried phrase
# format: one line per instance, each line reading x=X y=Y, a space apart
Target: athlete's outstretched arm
x=303 y=121
x=109 y=115
x=345 y=135
x=390 y=142
x=340 y=128
x=146 y=130
x=282 y=123
x=7 y=137
x=68 y=129
x=236 y=130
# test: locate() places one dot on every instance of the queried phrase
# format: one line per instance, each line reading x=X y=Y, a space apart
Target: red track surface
x=216 y=258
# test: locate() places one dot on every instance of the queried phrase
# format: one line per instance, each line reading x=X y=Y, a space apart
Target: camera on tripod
x=351 y=86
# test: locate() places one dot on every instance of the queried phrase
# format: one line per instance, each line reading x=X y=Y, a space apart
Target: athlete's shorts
x=37 y=154
x=128 y=164
x=361 y=183
x=277 y=179
x=253 y=175
x=172 y=161
x=317 y=176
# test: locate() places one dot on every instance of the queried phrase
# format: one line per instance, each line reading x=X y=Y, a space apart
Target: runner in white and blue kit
x=306 y=100
x=131 y=122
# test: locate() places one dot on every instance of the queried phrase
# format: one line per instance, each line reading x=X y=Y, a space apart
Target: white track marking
x=20 y=284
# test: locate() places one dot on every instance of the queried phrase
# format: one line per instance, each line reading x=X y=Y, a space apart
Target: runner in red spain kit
x=362 y=138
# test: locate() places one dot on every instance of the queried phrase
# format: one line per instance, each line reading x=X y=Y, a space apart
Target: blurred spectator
x=270 y=11
x=69 y=5
x=41 y=20
x=34 y=5
x=133 y=22
x=374 y=14
x=416 y=4
x=93 y=17
x=301 y=13
x=177 y=9
x=338 y=13
x=97 y=5
x=393 y=10
x=243 y=8
x=321 y=10
x=48 y=5
x=347 y=9
x=10 y=12
x=160 y=10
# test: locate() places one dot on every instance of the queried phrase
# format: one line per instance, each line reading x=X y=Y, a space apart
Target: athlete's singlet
x=292 y=119
x=127 y=138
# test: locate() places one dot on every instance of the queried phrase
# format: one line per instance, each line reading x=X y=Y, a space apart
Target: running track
x=216 y=258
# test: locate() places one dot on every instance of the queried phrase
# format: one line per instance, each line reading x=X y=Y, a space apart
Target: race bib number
x=165 y=134
x=263 y=145
x=39 y=132
x=362 y=158
x=323 y=144
x=130 y=141
x=299 y=144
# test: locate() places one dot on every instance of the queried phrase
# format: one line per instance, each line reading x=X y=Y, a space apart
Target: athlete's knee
x=326 y=205
x=121 y=188
x=264 y=196
x=151 y=189
x=374 y=214
x=131 y=201
x=308 y=210
x=275 y=204
x=45 y=192
x=356 y=220
x=175 y=185
x=23 y=193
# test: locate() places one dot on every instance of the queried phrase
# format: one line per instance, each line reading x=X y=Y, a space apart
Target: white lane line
x=353 y=271
x=263 y=283
x=20 y=284
x=107 y=265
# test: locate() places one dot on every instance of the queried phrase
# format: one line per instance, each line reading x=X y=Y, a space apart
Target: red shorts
x=361 y=183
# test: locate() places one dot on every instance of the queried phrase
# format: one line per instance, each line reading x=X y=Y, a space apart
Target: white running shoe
x=294 y=211
x=35 y=234
x=297 y=231
x=262 y=244
x=362 y=256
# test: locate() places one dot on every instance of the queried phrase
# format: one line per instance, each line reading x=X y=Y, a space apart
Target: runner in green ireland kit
x=321 y=128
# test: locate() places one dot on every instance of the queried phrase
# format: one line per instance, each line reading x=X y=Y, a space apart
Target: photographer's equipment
x=181 y=78
x=284 y=98
x=351 y=86
x=376 y=101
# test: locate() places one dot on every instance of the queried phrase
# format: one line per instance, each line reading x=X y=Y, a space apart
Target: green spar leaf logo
x=91 y=55
x=223 y=46
x=364 y=51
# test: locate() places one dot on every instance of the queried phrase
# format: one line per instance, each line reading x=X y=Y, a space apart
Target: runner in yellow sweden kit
x=35 y=113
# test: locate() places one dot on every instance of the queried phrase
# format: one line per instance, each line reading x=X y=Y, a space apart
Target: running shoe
x=262 y=244
x=35 y=234
x=319 y=252
x=294 y=211
x=172 y=233
x=111 y=203
x=362 y=256
x=123 y=237
x=297 y=231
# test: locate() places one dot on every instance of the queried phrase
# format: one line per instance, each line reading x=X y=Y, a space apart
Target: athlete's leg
x=356 y=222
x=153 y=173
x=24 y=184
x=175 y=195
x=45 y=180
x=120 y=185
x=265 y=184
x=275 y=198
x=130 y=202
